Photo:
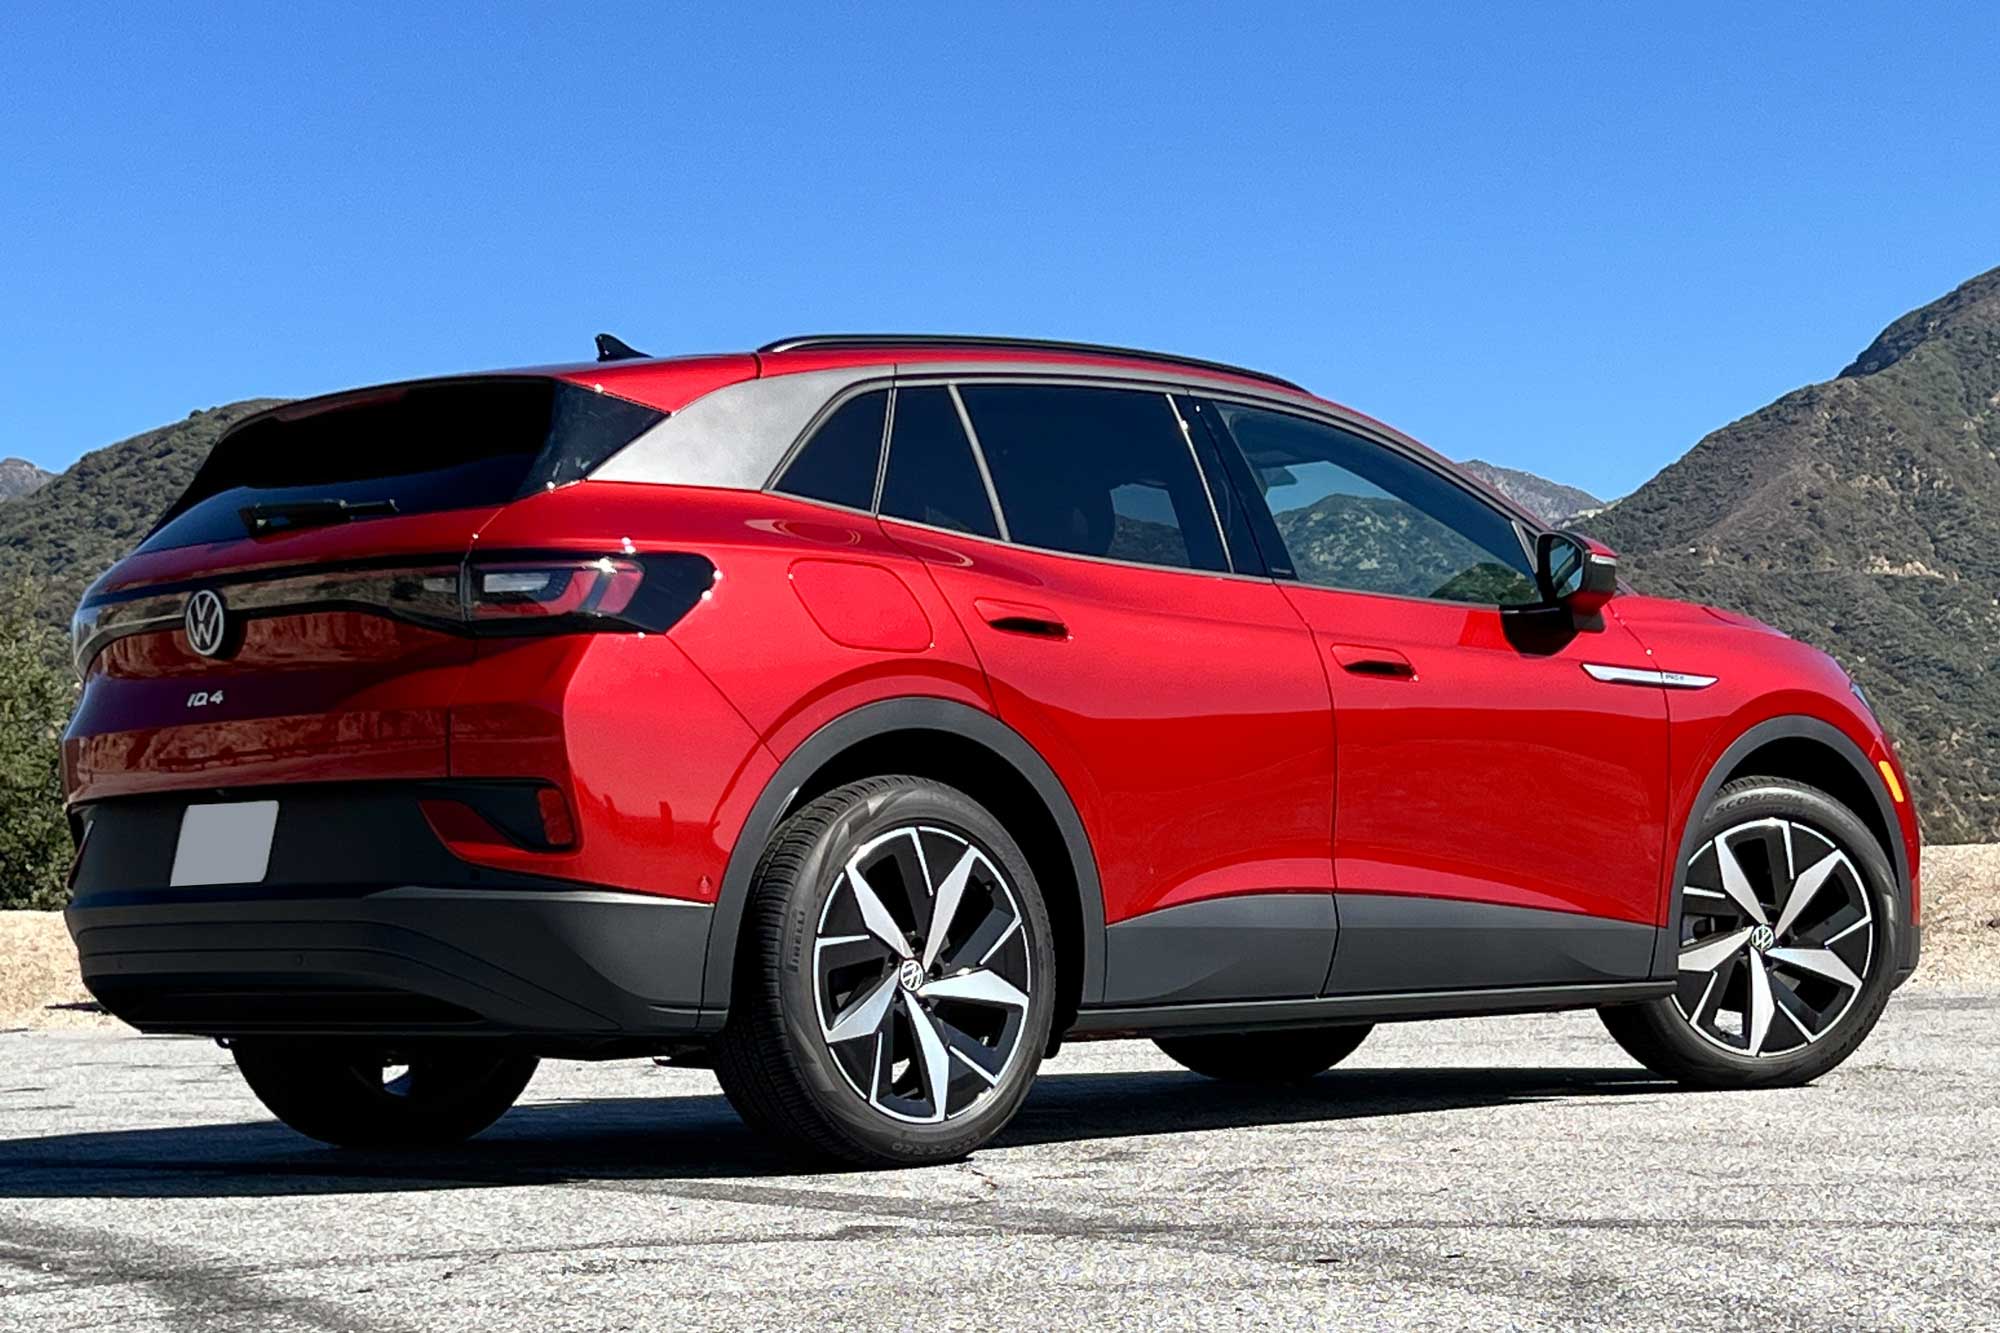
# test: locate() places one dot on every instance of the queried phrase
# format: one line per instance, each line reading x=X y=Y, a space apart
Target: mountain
x=1551 y=500
x=1862 y=515
x=18 y=476
x=68 y=531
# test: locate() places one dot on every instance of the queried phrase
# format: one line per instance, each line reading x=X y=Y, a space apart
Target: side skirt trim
x=1332 y=1010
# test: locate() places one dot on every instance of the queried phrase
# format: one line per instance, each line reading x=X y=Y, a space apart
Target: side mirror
x=1576 y=571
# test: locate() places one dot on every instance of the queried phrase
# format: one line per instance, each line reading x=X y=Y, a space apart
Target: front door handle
x=1020 y=618
x=1362 y=660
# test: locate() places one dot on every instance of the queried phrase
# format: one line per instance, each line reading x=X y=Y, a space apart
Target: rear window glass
x=838 y=463
x=460 y=445
x=932 y=477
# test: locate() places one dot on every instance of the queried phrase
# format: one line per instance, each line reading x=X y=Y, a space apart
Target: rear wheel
x=1787 y=940
x=1266 y=1057
x=368 y=1097
x=896 y=980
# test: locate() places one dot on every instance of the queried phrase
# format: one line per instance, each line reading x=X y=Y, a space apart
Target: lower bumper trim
x=396 y=960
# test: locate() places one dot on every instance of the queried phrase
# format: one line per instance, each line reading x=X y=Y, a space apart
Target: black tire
x=1266 y=1057
x=776 y=1057
x=335 y=1091
x=1660 y=1035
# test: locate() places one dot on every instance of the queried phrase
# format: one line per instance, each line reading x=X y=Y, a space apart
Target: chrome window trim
x=1162 y=379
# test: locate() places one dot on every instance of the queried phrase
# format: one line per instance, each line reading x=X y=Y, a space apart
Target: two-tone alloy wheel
x=1786 y=932
x=1776 y=935
x=922 y=1002
x=895 y=978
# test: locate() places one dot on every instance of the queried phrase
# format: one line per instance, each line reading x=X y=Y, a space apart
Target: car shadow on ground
x=699 y=1137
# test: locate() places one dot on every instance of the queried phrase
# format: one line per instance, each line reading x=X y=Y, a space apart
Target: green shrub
x=36 y=695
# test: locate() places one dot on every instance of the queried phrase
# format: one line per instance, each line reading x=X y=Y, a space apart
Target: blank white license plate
x=225 y=844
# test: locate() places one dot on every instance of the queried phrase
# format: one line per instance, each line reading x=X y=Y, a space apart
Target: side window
x=838 y=463
x=932 y=477
x=1355 y=515
x=1103 y=472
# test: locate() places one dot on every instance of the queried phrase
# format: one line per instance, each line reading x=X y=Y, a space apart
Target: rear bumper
x=364 y=923
x=404 y=960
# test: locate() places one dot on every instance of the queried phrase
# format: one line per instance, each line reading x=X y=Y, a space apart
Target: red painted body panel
x=659 y=769
x=1462 y=778
x=1184 y=713
x=1760 y=675
x=325 y=697
x=861 y=605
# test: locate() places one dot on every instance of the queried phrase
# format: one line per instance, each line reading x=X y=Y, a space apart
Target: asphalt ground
x=1499 y=1173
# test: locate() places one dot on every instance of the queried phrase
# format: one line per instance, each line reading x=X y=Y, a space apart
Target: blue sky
x=1571 y=239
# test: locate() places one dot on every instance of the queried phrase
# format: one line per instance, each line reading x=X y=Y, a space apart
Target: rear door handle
x=1020 y=618
x=1361 y=660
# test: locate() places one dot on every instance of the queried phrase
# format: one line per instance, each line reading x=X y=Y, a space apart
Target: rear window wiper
x=262 y=520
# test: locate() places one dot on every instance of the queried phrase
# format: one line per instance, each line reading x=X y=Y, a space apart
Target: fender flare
x=915 y=713
x=1790 y=727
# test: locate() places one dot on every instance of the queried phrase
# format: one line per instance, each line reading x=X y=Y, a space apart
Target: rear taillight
x=514 y=593
x=494 y=593
x=537 y=589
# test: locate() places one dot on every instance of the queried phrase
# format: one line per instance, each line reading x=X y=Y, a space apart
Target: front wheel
x=1788 y=939
x=1266 y=1057
x=896 y=980
x=355 y=1096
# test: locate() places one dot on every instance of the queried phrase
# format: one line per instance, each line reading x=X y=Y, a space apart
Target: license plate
x=225 y=844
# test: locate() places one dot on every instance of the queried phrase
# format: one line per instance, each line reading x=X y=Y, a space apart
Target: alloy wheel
x=1777 y=938
x=922 y=974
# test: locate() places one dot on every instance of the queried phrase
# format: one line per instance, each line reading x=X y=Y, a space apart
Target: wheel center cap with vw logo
x=207 y=623
x=911 y=974
x=1762 y=938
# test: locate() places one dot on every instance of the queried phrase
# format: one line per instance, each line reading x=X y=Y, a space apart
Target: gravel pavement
x=1499 y=1173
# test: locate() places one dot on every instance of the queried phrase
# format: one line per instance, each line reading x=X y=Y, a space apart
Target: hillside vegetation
x=67 y=532
x=1863 y=515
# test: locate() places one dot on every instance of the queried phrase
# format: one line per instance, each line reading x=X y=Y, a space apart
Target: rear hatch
x=303 y=612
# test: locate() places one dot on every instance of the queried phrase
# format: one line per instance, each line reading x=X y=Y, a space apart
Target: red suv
x=866 y=715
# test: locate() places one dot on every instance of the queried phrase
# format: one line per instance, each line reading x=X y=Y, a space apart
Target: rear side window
x=932 y=477
x=1102 y=472
x=1358 y=516
x=839 y=462
x=458 y=445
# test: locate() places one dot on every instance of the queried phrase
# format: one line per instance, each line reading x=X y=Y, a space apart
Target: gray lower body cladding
x=1305 y=958
x=402 y=960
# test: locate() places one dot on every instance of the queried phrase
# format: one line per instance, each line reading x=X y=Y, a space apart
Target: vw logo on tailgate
x=207 y=623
